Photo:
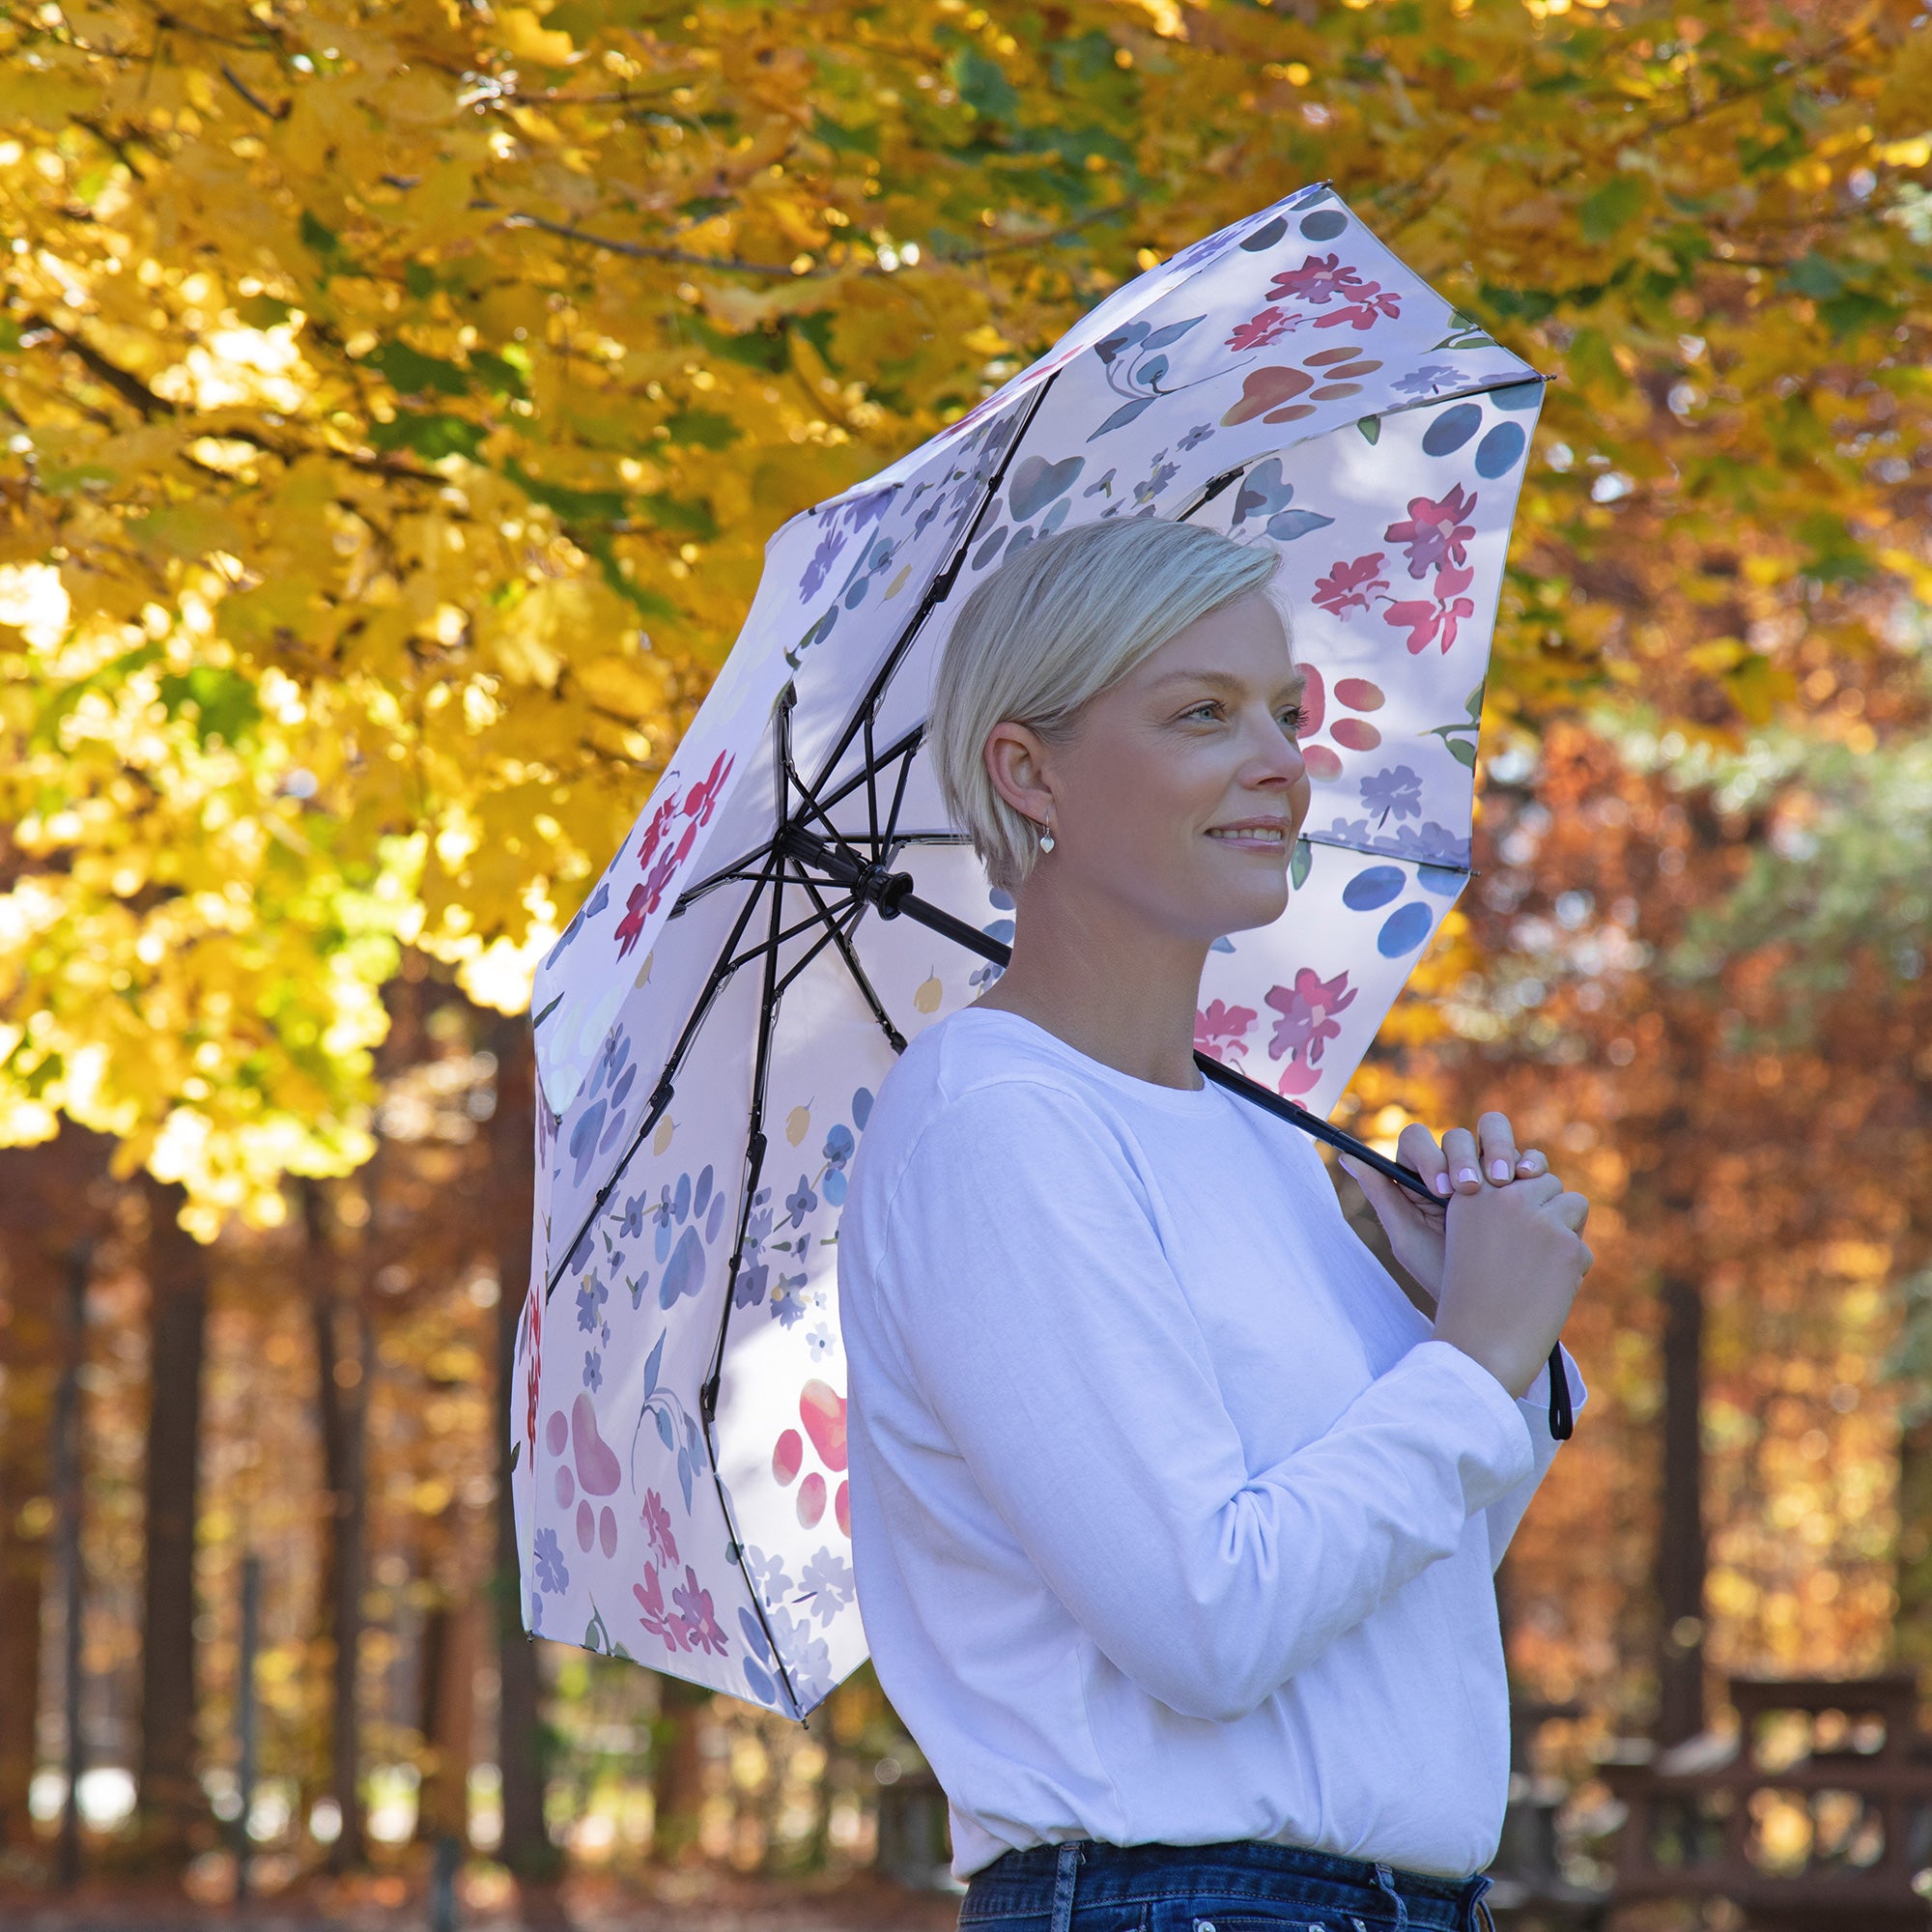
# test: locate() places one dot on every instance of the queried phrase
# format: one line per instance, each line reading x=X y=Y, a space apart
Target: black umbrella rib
x=938 y=590
x=811 y=925
x=661 y=1094
x=754 y=1167
x=840 y=936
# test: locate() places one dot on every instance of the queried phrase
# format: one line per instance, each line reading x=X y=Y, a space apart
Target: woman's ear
x=1016 y=763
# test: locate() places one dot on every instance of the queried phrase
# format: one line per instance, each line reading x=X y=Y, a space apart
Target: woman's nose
x=1275 y=760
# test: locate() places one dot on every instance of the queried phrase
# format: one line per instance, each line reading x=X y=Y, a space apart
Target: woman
x=1174 y=1521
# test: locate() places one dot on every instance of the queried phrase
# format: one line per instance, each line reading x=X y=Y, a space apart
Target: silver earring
x=1046 y=838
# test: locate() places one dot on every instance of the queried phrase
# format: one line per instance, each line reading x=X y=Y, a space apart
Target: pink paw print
x=821 y=1409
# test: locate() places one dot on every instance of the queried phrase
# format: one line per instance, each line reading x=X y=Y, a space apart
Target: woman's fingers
x=1461 y=1155
x=1532 y=1161
x=1416 y=1147
x=1499 y=1148
x=1572 y=1210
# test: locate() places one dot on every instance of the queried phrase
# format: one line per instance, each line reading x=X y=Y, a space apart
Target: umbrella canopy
x=794 y=902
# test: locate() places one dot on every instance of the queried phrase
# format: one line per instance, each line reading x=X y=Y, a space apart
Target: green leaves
x=1603 y=215
x=984 y=86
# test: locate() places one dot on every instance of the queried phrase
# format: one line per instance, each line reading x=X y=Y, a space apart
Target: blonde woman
x=1174 y=1521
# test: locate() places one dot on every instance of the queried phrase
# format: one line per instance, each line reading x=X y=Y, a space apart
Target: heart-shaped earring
x=1046 y=838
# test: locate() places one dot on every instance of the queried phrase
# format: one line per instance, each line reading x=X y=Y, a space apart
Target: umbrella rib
x=941 y=586
x=899 y=789
x=1370 y=852
x=897 y=748
x=840 y=937
x=819 y=919
x=872 y=789
x=754 y=1166
x=661 y=1094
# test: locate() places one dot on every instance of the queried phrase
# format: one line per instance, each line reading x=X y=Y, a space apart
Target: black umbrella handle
x=898 y=900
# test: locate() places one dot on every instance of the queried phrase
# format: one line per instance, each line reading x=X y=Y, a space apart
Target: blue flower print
x=590 y=1299
x=828 y=1581
x=1197 y=435
x=839 y=1145
x=1431 y=379
x=820 y=566
x=768 y=1574
x=754 y=1272
x=1395 y=789
x=788 y=1304
x=551 y=1572
x=819 y=1342
x=593 y=1370
x=800 y=1204
x=634 y=1218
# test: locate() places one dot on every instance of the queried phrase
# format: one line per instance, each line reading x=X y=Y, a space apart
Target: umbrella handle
x=1562 y=1417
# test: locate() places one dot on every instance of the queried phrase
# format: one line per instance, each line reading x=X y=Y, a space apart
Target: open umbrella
x=794 y=903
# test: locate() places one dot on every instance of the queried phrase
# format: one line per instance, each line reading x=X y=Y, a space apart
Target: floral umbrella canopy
x=794 y=903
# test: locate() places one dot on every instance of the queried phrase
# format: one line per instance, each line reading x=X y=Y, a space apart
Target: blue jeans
x=1243 y=1887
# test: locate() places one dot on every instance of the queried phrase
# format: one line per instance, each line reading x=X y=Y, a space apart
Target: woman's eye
x=1207 y=709
x=1295 y=720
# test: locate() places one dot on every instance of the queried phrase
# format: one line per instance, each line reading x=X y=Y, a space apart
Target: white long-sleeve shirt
x=1169 y=1523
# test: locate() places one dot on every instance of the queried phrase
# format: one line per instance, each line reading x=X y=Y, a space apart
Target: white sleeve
x=1045 y=1329
x=1509 y=1508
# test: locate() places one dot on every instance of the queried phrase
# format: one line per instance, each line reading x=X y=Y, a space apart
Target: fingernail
x=1440 y=1183
x=1526 y=1165
x=1499 y=1170
x=1467 y=1174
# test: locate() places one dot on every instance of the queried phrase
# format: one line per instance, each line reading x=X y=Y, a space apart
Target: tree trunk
x=171 y=1798
x=30 y=1344
x=342 y=1389
x=449 y=1649
x=677 y=1768
x=1681 y=1549
x=520 y=1740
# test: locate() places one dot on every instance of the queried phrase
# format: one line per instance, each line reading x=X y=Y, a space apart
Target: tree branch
x=253 y=99
x=735 y=265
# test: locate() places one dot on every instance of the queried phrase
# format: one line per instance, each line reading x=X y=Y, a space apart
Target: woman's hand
x=1462 y=1163
x=1515 y=1258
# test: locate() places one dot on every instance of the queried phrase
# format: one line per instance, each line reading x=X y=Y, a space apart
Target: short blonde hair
x=1054 y=626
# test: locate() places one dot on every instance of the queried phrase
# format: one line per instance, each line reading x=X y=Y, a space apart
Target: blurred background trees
x=396 y=401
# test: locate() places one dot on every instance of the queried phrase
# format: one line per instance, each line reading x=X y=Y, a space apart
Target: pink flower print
x=1449 y=585
x=1348 y=585
x=701 y=801
x=1222 y=1030
x=661 y=875
x=701 y=1627
x=630 y=928
x=1435 y=532
x=654 y=831
x=1428 y=623
x=671 y=1628
x=1420 y=619
x=1259 y=330
x=657 y=1526
x=1373 y=302
x=1319 y=280
x=1308 y=1010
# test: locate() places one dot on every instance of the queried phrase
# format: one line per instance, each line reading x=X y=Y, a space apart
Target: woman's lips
x=1260 y=835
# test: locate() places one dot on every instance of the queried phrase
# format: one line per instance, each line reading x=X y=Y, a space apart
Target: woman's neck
x=1105 y=985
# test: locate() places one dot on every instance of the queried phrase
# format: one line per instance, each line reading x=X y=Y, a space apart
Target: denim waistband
x=1044 y=1881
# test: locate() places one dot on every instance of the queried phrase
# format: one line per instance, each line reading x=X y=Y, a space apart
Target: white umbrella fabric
x=794 y=904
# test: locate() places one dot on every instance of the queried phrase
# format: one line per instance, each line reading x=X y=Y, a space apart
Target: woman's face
x=1181 y=790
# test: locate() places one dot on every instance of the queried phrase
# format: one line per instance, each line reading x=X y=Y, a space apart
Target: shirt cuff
x=1500 y=1453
